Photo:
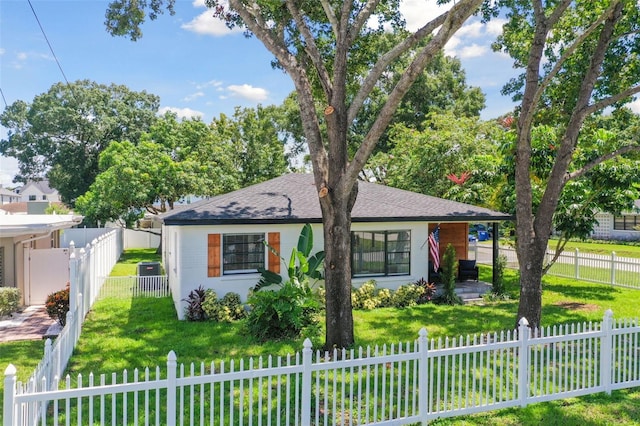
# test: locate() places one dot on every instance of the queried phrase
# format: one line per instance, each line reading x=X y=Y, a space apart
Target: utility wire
x=3 y=98
x=47 y=40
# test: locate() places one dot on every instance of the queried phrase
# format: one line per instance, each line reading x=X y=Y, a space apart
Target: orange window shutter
x=213 y=255
x=273 y=260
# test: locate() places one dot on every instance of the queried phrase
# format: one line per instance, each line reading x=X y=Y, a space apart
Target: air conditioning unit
x=149 y=276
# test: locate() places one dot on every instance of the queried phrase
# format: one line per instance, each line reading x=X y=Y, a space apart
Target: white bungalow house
x=218 y=243
x=31 y=258
x=624 y=227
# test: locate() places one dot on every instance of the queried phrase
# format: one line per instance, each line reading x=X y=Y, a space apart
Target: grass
x=622 y=250
x=138 y=333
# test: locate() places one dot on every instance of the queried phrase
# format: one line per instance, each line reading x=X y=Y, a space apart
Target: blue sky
x=191 y=61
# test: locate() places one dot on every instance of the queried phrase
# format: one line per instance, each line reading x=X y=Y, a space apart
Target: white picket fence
x=136 y=286
x=599 y=268
x=390 y=385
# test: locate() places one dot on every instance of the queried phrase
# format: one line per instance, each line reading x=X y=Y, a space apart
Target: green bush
x=194 y=311
x=365 y=297
x=449 y=272
x=499 y=286
x=57 y=305
x=284 y=313
x=428 y=293
x=406 y=295
x=9 y=300
x=385 y=298
x=227 y=309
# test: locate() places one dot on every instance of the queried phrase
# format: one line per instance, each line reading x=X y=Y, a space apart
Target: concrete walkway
x=30 y=324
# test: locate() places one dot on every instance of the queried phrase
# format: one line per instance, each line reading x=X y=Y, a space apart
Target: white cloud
x=248 y=92
x=193 y=96
x=473 y=51
x=2 y=51
x=419 y=12
x=635 y=106
x=181 y=112
x=22 y=56
x=494 y=27
x=206 y=24
x=211 y=83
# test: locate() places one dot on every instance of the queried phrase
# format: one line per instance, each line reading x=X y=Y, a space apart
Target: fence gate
x=46 y=271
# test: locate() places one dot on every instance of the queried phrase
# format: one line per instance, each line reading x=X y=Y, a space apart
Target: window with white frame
x=242 y=253
x=380 y=253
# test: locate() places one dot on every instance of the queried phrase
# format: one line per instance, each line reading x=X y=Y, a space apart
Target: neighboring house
x=218 y=243
x=30 y=255
x=38 y=191
x=7 y=196
x=624 y=227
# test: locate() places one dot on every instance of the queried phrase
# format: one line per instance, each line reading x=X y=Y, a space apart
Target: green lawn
x=138 y=333
x=622 y=250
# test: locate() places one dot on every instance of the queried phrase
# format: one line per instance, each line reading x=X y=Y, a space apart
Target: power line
x=47 y=40
x=3 y=98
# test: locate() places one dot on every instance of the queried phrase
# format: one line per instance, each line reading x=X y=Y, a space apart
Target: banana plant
x=302 y=264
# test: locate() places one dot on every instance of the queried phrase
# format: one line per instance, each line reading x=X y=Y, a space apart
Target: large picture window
x=242 y=253
x=380 y=253
x=626 y=222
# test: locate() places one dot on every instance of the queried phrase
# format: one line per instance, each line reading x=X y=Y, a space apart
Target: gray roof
x=293 y=198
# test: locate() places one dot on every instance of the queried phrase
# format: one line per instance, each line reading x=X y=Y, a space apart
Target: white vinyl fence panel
x=605 y=269
x=391 y=385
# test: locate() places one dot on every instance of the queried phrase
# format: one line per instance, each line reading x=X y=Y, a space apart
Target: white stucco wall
x=185 y=256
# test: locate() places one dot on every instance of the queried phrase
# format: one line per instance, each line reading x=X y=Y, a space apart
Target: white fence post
x=305 y=414
x=423 y=378
x=613 y=268
x=577 y=263
x=74 y=282
x=523 y=364
x=605 y=351
x=9 y=393
x=172 y=367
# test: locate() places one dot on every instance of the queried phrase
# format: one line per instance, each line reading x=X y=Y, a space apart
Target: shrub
x=9 y=300
x=385 y=298
x=428 y=293
x=284 y=313
x=498 y=286
x=406 y=295
x=57 y=305
x=449 y=271
x=227 y=309
x=364 y=297
x=194 y=311
x=236 y=309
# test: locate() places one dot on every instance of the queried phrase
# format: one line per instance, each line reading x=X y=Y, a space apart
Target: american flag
x=434 y=247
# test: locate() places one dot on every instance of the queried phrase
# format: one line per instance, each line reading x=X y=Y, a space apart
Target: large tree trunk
x=531 y=259
x=337 y=237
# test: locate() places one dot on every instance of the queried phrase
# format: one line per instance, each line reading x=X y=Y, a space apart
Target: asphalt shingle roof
x=293 y=198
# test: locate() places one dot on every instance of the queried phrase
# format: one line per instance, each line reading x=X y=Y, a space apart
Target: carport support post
x=495 y=252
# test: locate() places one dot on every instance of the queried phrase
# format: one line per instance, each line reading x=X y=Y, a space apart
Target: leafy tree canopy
x=176 y=159
x=61 y=133
x=452 y=157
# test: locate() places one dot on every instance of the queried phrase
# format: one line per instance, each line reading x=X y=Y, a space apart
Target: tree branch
x=570 y=50
x=311 y=48
x=385 y=60
x=331 y=16
x=456 y=16
x=362 y=19
x=592 y=164
x=557 y=177
x=603 y=103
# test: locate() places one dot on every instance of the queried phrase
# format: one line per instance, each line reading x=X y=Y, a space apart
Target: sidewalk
x=30 y=324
